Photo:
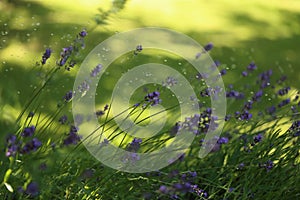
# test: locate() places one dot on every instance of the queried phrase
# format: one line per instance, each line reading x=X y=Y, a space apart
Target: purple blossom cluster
x=257 y=138
x=264 y=79
x=96 y=70
x=73 y=137
x=223 y=140
x=30 y=146
x=65 y=54
x=268 y=165
x=46 y=56
x=251 y=66
x=70 y=51
x=197 y=124
x=257 y=96
x=84 y=87
x=190 y=124
x=223 y=72
x=138 y=49
x=244 y=115
x=83 y=33
x=12 y=145
x=174 y=130
x=134 y=145
x=132 y=156
x=215 y=143
x=206 y=48
x=234 y=94
x=63 y=119
x=184 y=187
x=295 y=128
x=207 y=121
x=211 y=92
x=32 y=189
x=284 y=102
x=283 y=91
x=68 y=96
x=100 y=113
x=169 y=82
x=24 y=145
x=271 y=110
x=153 y=98
x=28 y=131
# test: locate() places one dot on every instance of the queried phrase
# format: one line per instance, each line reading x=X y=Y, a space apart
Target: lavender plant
x=256 y=157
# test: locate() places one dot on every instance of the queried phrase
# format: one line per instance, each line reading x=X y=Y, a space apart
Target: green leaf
x=7 y=175
x=9 y=187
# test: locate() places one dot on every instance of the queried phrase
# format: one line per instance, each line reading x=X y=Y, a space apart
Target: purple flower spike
x=31 y=114
x=257 y=138
x=12 y=146
x=65 y=54
x=251 y=66
x=217 y=63
x=223 y=72
x=32 y=189
x=63 y=119
x=198 y=55
x=73 y=137
x=11 y=139
x=68 y=96
x=245 y=115
x=227 y=117
x=283 y=91
x=269 y=165
x=153 y=98
x=244 y=73
x=100 y=113
x=284 y=102
x=83 y=34
x=203 y=193
x=96 y=70
x=105 y=107
x=30 y=146
x=295 y=125
x=12 y=150
x=134 y=145
x=248 y=105
x=223 y=140
x=36 y=143
x=257 y=95
x=163 y=189
x=46 y=56
x=208 y=47
x=138 y=49
x=84 y=87
x=28 y=131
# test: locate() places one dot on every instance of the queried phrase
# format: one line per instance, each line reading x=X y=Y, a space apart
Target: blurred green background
x=267 y=32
